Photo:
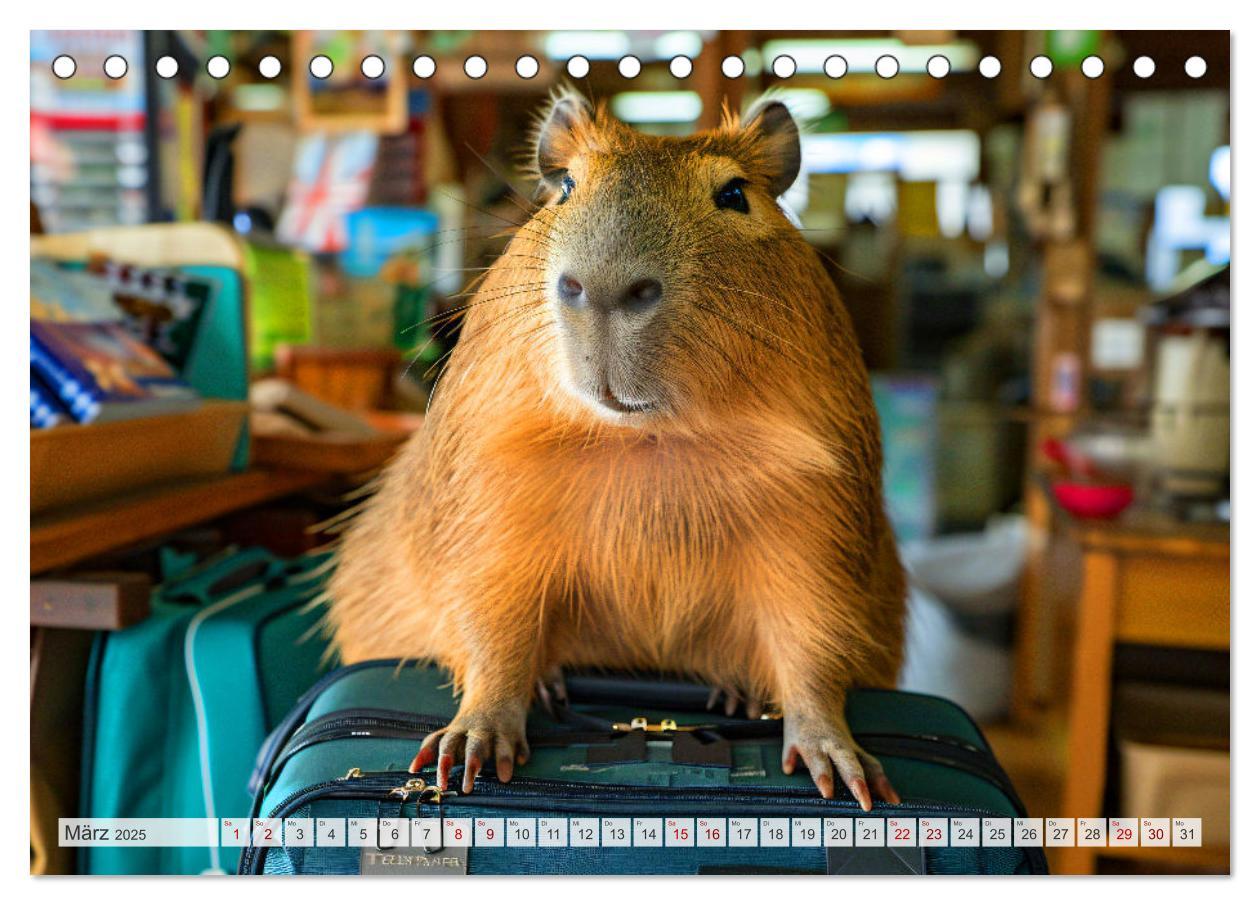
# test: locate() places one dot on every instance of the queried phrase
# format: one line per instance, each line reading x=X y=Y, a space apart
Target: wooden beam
x=65 y=537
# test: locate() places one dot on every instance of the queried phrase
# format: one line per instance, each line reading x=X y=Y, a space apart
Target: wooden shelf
x=66 y=536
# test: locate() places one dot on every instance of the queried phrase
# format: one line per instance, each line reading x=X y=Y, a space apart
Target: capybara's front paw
x=822 y=744
x=476 y=736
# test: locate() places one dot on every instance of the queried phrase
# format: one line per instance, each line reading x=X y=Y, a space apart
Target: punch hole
x=887 y=66
x=783 y=67
x=115 y=66
x=218 y=67
x=526 y=66
x=64 y=66
x=321 y=67
x=423 y=67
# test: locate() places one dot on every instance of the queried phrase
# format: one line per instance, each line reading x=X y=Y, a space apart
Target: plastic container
x=1101 y=501
x=963 y=592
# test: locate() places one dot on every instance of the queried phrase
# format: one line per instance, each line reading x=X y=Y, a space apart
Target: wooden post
x=708 y=81
x=1061 y=343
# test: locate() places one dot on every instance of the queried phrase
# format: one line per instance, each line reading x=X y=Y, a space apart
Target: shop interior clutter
x=255 y=254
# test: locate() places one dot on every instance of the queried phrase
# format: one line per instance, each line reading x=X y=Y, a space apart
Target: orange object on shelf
x=353 y=379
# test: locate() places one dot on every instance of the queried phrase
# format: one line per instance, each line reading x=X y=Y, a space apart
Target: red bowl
x=1093 y=500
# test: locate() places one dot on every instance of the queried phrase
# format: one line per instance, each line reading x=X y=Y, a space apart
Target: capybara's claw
x=729 y=698
x=477 y=739
x=829 y=751
x=552 y=693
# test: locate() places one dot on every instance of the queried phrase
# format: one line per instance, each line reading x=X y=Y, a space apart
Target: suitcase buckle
x=641 y=722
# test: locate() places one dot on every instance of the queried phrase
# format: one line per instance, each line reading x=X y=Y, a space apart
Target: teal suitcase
x=177 y=705
x=344 y=750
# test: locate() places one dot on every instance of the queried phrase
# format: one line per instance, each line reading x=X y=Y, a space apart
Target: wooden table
x=1146 y=579
x=66 y=536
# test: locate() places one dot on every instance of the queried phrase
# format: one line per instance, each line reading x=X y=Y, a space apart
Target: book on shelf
x=46 y=408
x=162 y=308
x=100 y=372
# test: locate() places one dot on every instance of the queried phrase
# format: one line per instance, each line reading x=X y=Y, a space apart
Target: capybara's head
x=674 y=279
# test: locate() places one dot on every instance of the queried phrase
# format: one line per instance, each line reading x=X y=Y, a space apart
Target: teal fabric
x=218 y=367
x=145 y=721
x=926 y=786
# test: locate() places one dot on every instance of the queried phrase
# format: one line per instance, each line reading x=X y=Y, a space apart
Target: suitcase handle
x=671 y=695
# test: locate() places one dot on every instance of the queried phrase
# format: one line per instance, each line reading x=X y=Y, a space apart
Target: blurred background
x=1030 y=229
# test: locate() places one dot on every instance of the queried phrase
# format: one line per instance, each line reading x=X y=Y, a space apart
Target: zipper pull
x=641 y=722
x=412 y=785
x=353 y=773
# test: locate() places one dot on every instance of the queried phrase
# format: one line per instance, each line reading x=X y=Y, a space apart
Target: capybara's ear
x=780 y=141
x=566 y=113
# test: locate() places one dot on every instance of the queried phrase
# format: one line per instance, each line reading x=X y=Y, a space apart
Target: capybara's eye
x=567 y=185
x=731 y=196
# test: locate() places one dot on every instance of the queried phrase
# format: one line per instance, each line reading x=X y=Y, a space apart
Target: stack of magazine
x=95 y=341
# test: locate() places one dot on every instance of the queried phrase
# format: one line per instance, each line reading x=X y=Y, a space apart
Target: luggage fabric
x=344 y=750
x=177 y=705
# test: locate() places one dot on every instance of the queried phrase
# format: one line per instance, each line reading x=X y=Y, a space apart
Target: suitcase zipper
x=945 y=751
x=524 y=793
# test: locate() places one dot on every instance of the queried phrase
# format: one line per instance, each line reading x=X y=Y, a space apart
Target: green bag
x=177 y=706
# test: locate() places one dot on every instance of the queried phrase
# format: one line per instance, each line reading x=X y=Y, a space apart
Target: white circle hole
x=321 y=66
x=680 y=67
x=269 y=67
x=1144 y=67
x=783 y=67
x=990 y=67
x=218 y=67
x=887 y=66
x=423 y=67
x=1196 y=67
x=938 y=66
x=1041 y=67
x=579 y=67
x=115 y=66
x=732 y=67
x=166 y=67
x=372 y=67
x=475 y=66
x=64 y=66
x=526 y=67
x=835 y=66
x=629 y=66
x=1092 y=66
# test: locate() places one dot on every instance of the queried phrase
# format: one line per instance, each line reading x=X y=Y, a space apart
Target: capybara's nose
x=571 y=292
x=640 y=295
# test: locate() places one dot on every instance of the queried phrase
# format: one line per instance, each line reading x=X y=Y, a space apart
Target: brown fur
x=738 y=535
